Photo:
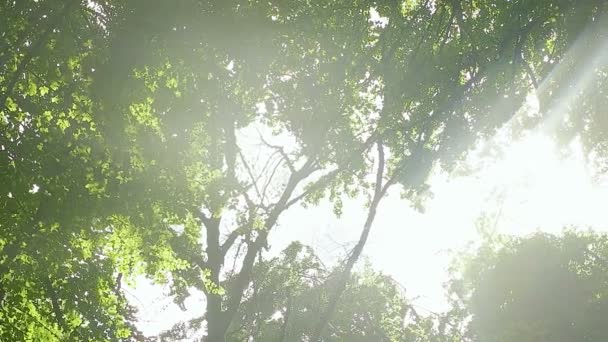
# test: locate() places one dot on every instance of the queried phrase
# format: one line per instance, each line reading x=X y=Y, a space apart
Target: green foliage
x=542 y=287
x=284 y=303
x=121 y=119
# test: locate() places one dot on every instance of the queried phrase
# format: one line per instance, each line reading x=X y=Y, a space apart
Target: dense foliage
x=123 y=120
x=539 y=288
x=285 y=300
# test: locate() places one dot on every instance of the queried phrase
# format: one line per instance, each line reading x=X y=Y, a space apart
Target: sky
x=533 y=186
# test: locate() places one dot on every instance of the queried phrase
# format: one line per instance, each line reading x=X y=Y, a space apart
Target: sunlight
x=567 y=102
x=534 y=184
x=303 y=170
x=528 y=184
x=530 y=188
x=584 y=79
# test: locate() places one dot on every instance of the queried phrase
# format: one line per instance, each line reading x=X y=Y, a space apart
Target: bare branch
x=229 y=241
x=530 y=72
x=243 y=277
x=281 y=151
x=237 y=253
x=327 y=178
x=357 y=250
x=323 y=181
x=230 y=148
x=271 y=176
x=268 y=162
x=254 y=180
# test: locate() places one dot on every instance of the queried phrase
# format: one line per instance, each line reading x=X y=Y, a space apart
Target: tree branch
x=230 y=148
x=254 y=180
x=54 y=302
x=118 y=284
x=281 y=151
x=379 y=191
x=323 y=181
x=214 y=265
x=229 y=242
x=243 y=277
x=39 y=322
x=34 y=50
x=271 y=176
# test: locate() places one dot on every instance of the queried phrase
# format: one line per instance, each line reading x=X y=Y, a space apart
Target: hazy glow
x=585 y=78
x=530 y=187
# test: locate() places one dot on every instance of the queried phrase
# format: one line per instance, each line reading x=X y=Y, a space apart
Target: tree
x=462 y=72
x=58 y=276
x=538 y=288
x=283 y=304
x=122 y=120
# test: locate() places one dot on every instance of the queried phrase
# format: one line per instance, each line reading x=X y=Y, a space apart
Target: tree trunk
x=216 y=327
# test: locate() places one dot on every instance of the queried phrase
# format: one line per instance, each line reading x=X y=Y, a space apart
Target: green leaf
x=63 y=124
x=43 y=90
x=11 y=105
x=32 y=89
x=171 y=83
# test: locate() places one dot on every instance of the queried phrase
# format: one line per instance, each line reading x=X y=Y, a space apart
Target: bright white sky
x=529 y=188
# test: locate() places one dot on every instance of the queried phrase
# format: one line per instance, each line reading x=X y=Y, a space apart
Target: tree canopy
x=539 y=288
x=126 y=149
